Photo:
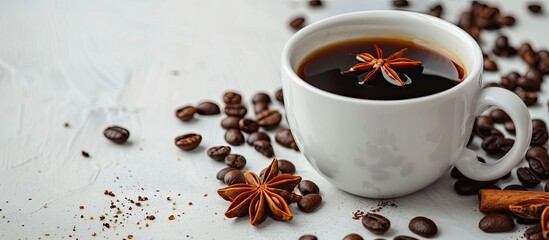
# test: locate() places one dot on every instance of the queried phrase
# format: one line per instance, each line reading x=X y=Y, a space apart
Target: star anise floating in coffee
x=258 y=198
x=387 y=66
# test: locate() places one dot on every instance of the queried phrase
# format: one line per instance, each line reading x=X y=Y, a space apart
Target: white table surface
x=97 y=63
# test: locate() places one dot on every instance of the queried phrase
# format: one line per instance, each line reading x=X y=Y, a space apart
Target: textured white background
x=97 y=63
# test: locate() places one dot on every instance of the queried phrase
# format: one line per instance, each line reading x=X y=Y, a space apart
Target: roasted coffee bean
x=496 y=222
x=499 y=116
x=502 y=41
x=234 y=177
x=221 y=174
x=490 y=65
x=309 y=202
x=491 y=186
x=232 y=98
x=509 y=126
x=234 y=137
x=467 y=186
x=248 y=125
x=538 y=123
x=490 y=144
x=188 y=142
x=529 y=84
x=423 y=226
x=505 y=145
x=508 y=83
x=539 y=136
x=492 y=84
x=297 y=23
x=465 y=20
x=264 y=147
x=534 y=74
x=540 y=166
x=219 y=153
x=485 y=132
x=404 y=237
x=534 y=233
x=456 y=174
x=529 y=98
x=207 y=108
x=284 y=137
x=315 y=3
x=236 y=110
x=535 y=8
x=536 y=152
x=527 y=177
x=279 y=95
x=256 y=136
x=260 y=107
x=353 y=236
x=261 y=97
x=117 y=134
x=484 y=122
x=376 y=223
x=308 y=237
x=269 y=119
x=515 y=187
x=542 y=59
x=436 y=10
x=230 y=122
x=527 y=53
x=474 y=31
x=502 y=47
x=286 y=166
x=186 y=113
x=306 y=187
x=235 y=160
x=546 y=188
x=507 y=21
x=401 y=3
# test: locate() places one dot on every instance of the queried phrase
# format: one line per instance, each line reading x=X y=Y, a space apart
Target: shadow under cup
x=381 y=148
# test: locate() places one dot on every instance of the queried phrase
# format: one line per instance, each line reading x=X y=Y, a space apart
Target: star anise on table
x=258 y=198
x=386 y=65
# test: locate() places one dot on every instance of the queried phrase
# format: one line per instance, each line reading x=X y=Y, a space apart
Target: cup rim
x=319 y=25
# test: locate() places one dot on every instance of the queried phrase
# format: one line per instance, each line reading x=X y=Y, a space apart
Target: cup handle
x=515 y=108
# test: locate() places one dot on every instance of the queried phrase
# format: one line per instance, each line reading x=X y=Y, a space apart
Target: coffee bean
x=236 y=110
x=538 y=123
x=490 y=144
x=527 y=54
x=456 y=174
x=466 y=186
x=465 y=20
x=309 y=202
x=230 y=122
x=499 y=116
x=535 y=8
x=232 y=98
x=255 y=136
x=248 y=125
x=188 y=142
x=546 y=188
x=306 y=187
x=297 y=23
x=284 y=137
x=515 y=187
x=483 y=121
x=529 y=84
x=234 y=177
x=286 y=166
x=529 y=98
x=279 y=95
x=474 y=31
x=509 y=126
x=490 y=65
x=117 y=134
x=186 y=113
x=308 y=237
x=404 y=237
x=492 y=84
x=264 y=147
x=539 y=136
x=260 y=107
x=534 y=233
x=423 y=226
x=315 y=3
x=502 y=41
x=261 y=97
x=207 y=108
x=353 y=236
x=542 y=59
x=496 y=222
x=508 y=83
x=502 y=47
x=527 y=177
x=507 y=21
x=401 y=3
x=537 y=152
x=235 y=160
x=436 y=10
x=376 y=223
x=219 y=153
x=534 y=74
x=540 y=166
x=505 y=145
x=221 y=174
x=485 y=132
x=269 y=119
x=234 y=137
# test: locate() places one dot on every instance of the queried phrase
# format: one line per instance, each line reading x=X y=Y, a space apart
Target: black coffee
x=325 y=69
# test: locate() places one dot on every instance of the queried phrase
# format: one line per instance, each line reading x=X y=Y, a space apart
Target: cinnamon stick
x=491 y=200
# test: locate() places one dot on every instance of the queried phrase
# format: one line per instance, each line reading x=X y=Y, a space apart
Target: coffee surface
x=323 y=69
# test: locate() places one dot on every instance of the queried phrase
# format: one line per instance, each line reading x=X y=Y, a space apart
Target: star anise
x=387 y=65
x=258 y=198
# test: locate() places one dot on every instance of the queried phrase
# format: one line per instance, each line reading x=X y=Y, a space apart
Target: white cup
x=385 y=149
